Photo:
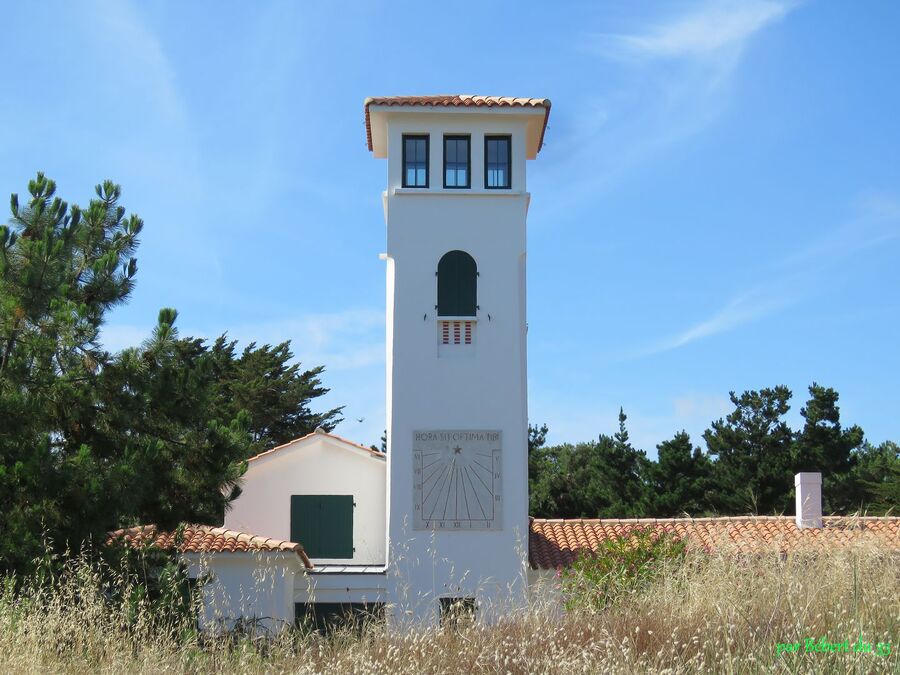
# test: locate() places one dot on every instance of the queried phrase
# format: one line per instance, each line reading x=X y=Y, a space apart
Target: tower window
x=457 y=284
x=497 y=162
x=415 y=161
x=457 y=159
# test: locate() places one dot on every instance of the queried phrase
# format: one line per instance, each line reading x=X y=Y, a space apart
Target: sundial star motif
x=457 y=450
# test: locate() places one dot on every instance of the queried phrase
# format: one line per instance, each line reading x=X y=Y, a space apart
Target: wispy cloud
x=740 y=310
x=147 y=92
x=878 y=223
x=703 y=33
x=572 y=419
x=665 y=80
x=139 y=50
x=696 y=405
x=343 y=340
x=793 y=277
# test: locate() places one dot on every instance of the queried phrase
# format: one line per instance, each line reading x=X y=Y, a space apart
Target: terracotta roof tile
x=457 y=101
x=205 y=539
x=557 y=543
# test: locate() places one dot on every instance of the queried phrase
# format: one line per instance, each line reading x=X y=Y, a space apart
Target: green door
x=323 y=524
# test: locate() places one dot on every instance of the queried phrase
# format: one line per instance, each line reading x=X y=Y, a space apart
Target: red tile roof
x=205 y=539
x=317 y=432
x=456 y=101
x=557 y=543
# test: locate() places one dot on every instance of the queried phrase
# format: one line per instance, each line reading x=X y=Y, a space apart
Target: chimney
x=808 y=488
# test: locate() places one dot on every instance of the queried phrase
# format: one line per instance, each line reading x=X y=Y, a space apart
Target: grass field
x=705 y=614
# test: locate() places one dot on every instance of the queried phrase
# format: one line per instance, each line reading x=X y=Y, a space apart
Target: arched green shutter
x=457 y=284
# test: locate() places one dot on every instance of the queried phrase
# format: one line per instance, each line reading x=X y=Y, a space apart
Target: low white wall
x=345 y=588
x=545 y=591
x=255 y=586
x=316 y=465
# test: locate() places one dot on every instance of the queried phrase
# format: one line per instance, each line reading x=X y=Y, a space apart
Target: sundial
x=457 y=477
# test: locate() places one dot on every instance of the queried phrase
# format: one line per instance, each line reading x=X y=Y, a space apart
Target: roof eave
x=380 y=151
x=255 y=554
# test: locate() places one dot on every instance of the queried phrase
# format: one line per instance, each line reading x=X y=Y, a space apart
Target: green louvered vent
x=457 y=284
x=323 y=524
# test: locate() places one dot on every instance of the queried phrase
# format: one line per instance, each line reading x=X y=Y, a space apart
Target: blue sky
x=717 y=206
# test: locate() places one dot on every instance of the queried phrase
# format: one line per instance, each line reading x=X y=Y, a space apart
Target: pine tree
x=680 y=479
x=274 y=392
x=872 y=486
x=823 y=445
x=753 y=451
x=604 y=478
x=61 y=270
x=91 y=441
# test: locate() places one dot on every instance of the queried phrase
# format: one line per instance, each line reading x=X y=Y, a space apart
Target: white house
x=329 y=494
x=325 y=526
x=321 y=490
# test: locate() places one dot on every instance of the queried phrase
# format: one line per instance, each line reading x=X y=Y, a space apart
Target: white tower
x=457 y=419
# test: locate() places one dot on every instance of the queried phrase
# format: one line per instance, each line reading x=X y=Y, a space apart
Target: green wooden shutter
x=323 y=524
x=457 y=284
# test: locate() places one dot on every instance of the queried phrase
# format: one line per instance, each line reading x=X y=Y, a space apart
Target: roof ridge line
x=374 y=453
x=682 y=519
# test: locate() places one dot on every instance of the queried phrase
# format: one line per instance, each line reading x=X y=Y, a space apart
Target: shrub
x=623 y=564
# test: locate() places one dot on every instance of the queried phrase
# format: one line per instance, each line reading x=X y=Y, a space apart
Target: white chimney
x=808 y=488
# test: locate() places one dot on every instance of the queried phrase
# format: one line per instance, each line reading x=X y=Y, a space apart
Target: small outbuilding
x=245 y=577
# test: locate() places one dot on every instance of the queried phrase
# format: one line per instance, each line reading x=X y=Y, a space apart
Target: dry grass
x=710 y=614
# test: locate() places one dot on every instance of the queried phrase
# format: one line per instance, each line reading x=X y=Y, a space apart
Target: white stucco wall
x=343 y=588
x=316 y=465
x=545 y=591
x=247 y=586
x=484 y=391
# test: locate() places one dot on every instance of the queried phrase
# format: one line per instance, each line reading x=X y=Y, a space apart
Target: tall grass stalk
x=720 y=613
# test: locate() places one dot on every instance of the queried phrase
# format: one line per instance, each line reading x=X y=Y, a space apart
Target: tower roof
x=457 y=101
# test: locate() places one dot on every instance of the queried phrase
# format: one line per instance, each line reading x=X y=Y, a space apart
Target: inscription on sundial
x=457 y=478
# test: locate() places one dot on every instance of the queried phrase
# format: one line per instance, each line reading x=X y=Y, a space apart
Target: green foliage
x=383 y=446
x=588 y=480
x=752 y=448
x=537 y=437
x=146 y=579
x=880 y=475
x=92 y=441
x=748 y=467
x=823 y=445
x=621 y=565
x=274 y=392
x=680 y=479
x=872 y=486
